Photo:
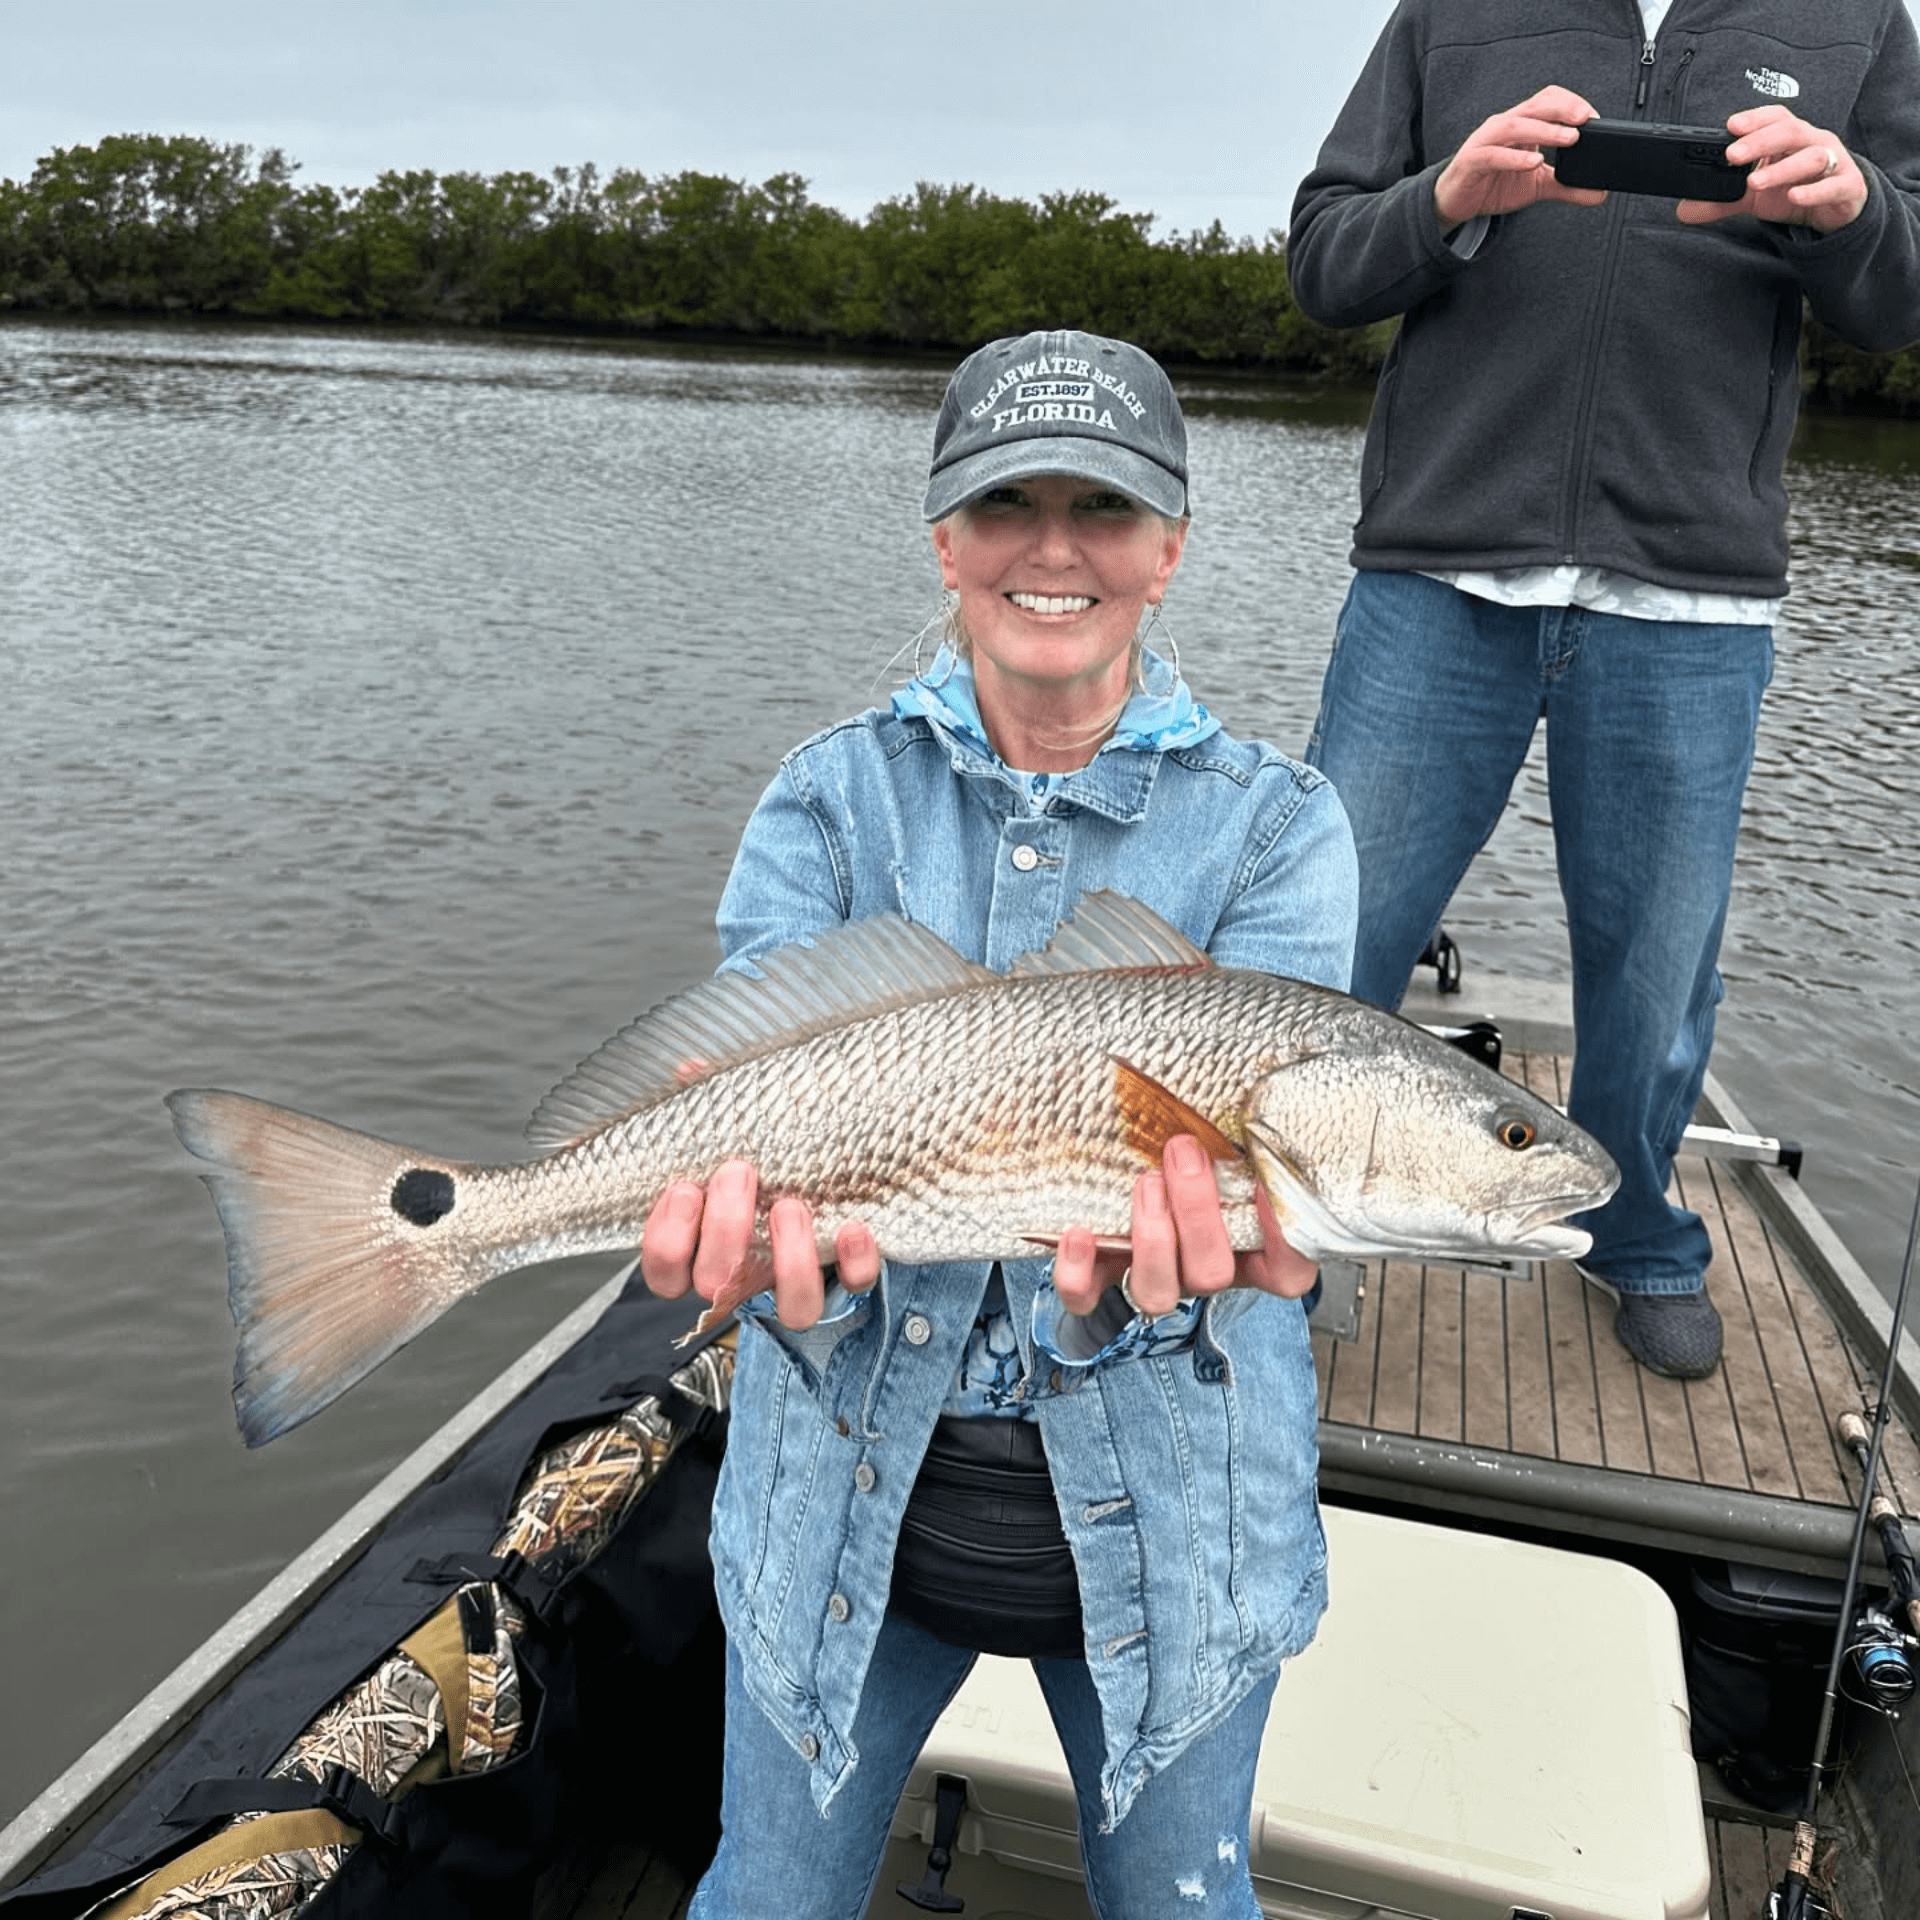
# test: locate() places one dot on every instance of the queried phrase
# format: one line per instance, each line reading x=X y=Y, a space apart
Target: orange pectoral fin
x=1150 y=1115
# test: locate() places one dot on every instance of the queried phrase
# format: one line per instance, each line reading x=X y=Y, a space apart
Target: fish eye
x=1515 y=1133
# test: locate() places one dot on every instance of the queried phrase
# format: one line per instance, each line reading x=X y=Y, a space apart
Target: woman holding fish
x=1018 y=995
x=1103 y=1457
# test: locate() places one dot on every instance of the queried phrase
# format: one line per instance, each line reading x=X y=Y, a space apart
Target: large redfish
x=963 y=1114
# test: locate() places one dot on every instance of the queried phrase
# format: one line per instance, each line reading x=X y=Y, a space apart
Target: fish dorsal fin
x=1151 y=1114
x=1111 y=930
x=852 y=972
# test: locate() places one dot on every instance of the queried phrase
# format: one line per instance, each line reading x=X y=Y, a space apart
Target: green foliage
x=142 y=222
x=145 y=223
x=152 y=223
x=1843 y=377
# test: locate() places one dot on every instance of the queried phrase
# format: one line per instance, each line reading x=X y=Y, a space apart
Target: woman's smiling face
x=1053 y=576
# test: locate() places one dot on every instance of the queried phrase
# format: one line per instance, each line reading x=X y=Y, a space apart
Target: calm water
x=379 y=714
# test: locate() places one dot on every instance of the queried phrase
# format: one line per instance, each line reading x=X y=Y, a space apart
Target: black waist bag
x=982 y=1560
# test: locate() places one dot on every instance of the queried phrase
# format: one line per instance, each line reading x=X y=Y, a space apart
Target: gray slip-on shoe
x=1674 y=1334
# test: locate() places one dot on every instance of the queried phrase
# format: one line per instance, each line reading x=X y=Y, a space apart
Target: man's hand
x=1502 y=166
x=1802 y=176
x=1179 y=1245
x=699 y=1239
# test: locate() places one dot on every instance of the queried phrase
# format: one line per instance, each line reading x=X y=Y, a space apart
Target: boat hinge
x=949 y=1802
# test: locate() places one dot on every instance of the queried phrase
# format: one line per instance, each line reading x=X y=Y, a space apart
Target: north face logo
x=1776 y=86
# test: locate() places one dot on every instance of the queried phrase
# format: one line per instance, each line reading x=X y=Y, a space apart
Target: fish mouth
x=1539 y=1231
x=1548 y=1242
x=1524 y=1239
x=1542 y=1232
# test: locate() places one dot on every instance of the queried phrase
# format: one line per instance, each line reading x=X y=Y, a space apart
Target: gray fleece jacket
x=1603 y=386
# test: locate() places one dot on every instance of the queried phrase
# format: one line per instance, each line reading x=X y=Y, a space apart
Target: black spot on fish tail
x=422 y=1195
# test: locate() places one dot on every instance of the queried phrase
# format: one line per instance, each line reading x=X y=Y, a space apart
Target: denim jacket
x=1185 y=1477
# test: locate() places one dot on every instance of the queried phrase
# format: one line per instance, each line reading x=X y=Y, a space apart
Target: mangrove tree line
x=146 y=223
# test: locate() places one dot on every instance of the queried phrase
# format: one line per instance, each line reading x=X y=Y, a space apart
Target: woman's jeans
x=1426 y=714
x=1182 y=1849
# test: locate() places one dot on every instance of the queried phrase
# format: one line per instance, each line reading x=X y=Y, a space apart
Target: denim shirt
x=1185 y=1477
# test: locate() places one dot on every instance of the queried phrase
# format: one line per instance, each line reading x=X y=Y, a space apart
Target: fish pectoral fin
x=1151 y=1114
x=1102 y=1242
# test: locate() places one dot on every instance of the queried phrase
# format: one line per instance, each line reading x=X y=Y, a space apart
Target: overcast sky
x=1196 y=112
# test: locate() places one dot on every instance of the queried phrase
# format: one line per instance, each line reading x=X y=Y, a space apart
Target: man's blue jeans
x=1426 y=713
x=1182 y=1849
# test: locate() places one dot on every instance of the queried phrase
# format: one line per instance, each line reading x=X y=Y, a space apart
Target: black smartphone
x=1636 y=156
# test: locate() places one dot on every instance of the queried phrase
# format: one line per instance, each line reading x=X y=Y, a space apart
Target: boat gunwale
x=1863 y=1313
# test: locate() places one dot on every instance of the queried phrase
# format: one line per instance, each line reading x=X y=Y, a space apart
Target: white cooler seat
x=1481 y=1731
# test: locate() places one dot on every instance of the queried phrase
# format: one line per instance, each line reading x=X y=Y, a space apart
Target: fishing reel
x=1882 y=1660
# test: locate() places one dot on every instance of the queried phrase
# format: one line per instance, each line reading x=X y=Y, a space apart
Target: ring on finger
x=1833 y=162
x=1126 y=1291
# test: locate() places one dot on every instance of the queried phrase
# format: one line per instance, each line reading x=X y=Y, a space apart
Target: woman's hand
x=701 y=1239
x=1179 y=1244
x=1502 y=166
x=1802 y=176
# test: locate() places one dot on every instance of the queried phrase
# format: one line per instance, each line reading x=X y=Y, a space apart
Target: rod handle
x=1805 y=1838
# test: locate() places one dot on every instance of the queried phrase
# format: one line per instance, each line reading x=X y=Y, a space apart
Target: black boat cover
x=622 y=1676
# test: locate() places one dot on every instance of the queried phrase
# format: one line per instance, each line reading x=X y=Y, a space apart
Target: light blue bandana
x=1166 y=715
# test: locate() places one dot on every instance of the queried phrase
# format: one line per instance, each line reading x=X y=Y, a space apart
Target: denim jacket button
x=1025 y=857
x=863 y=1477
x=841 y=1428
x=809 y=1747
x=839 y=1607
x=917 y=1329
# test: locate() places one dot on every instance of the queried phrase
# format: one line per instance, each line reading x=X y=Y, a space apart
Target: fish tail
x=336 y=1250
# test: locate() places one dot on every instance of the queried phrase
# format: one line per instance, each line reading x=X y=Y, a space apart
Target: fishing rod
x=1902 y=1569
x=1793 y=1898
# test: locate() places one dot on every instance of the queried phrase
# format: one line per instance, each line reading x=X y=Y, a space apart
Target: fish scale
x=881 y=1077
x=1019 y=1126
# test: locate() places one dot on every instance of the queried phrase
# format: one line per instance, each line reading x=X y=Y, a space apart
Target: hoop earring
x=941 y=617
x=1155 y=630
x=933 y=620
x=944 y=617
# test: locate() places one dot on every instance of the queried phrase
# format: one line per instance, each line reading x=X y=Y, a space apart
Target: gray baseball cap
x=1059 y=402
